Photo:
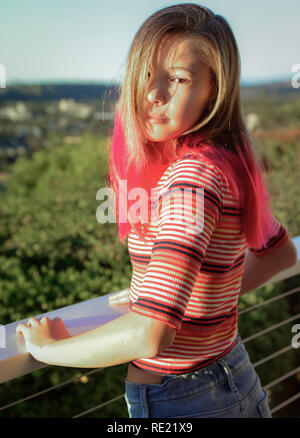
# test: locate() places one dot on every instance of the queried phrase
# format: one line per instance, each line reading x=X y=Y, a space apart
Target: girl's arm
x=259 y=269
x=128 y=337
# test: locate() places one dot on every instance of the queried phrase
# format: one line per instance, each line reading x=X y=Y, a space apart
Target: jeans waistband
x=235 y=358
x=232 y=358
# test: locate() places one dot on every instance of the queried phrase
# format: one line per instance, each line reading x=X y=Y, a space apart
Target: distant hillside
x=84 y=92
x=50 y=92
x=271 y=90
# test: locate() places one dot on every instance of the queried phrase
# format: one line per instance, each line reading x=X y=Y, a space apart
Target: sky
x=88 y=40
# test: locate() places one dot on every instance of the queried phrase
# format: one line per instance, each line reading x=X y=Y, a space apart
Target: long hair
x=220 y=135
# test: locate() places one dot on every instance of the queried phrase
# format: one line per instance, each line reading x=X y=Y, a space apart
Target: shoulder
x=197 y=170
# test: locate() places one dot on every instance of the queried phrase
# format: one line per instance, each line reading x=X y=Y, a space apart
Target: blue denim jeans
x=227 y=388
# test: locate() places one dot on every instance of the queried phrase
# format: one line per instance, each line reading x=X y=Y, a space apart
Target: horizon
x=69 y=81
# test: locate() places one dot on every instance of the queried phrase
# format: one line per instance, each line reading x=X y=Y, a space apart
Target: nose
x=155 y=96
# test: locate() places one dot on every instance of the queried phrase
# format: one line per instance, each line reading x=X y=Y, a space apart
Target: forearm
x=255 y=273
x=119 y=341
x=260 y=269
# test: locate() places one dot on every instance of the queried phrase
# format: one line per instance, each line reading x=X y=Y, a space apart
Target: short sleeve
x=190 y=208
x=275 y=242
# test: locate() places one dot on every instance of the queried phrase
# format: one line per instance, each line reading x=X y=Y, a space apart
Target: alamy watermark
x=296 y=338
x=178 y=206
x=2 y=76
x=2 y=336
x=296 y=78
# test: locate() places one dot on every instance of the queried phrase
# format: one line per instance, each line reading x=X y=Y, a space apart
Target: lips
x=156 y=118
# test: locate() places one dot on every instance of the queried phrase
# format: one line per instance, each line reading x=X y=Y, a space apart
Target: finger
x=57 y=318
x=59 y=329
x=21 y=328
x=58 y=321
x=45 y=319
x=33 y=321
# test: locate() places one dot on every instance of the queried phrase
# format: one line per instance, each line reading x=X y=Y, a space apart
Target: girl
x=180 y=143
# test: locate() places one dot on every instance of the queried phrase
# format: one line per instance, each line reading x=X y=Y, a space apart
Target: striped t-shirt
x=188 y=273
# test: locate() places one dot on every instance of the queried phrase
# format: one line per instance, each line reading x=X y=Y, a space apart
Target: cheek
x=189 y=112
x=191 y=104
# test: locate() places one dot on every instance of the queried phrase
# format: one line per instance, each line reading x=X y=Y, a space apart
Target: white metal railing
x=84 y=316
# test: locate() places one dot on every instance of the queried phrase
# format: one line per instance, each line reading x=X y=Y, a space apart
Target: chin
x=160 y=138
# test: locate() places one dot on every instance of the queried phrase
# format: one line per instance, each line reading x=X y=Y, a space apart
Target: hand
x=38 y=333
x=120 y=297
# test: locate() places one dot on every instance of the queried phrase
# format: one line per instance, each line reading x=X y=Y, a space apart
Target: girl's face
x=178 y=89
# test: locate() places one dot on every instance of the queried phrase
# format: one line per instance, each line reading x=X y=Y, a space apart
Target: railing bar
x=48 y=389
x=270 y=300
x=285 y=376
x=277 y=353
x=273 y=327
x=99 y=406
x=285 y=403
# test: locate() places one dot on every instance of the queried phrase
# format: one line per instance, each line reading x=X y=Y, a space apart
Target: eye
x=179 y=79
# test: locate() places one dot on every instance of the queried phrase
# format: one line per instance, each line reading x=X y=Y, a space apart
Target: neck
x=169 y=151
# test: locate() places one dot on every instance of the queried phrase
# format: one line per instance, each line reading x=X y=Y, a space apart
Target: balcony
x=16 y=362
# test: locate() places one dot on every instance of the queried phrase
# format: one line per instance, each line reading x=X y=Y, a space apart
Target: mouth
x=154 y=119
